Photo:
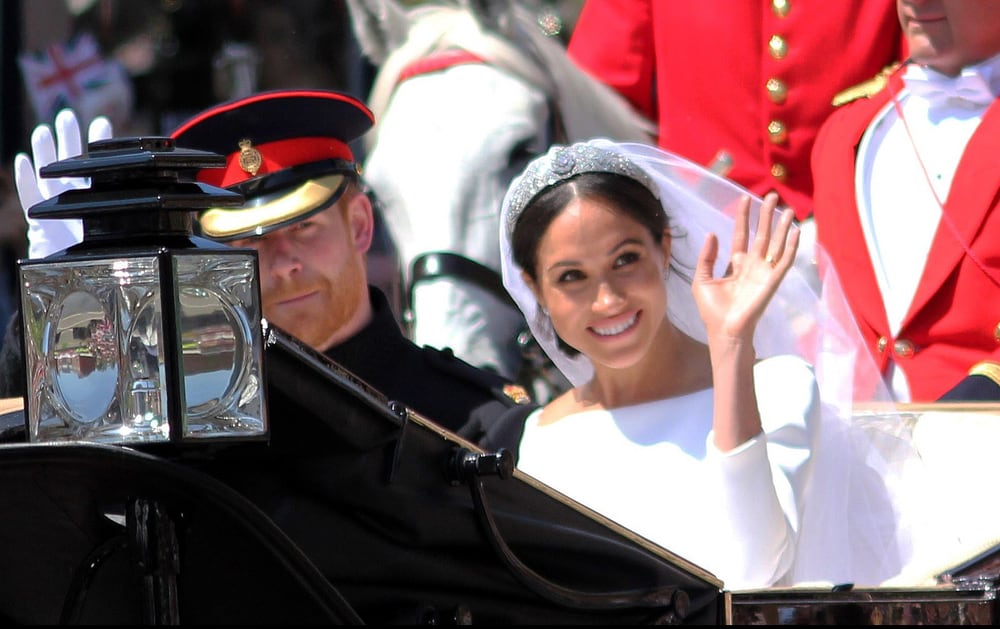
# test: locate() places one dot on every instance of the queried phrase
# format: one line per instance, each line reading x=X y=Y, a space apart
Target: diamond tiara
x=564 y=162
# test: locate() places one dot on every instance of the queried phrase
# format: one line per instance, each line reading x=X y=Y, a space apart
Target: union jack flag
x=69 y=74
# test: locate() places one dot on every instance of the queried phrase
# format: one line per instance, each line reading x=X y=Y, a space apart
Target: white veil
x=851 y=530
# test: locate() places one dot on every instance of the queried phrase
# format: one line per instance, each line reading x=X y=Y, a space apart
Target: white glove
x=50 y=235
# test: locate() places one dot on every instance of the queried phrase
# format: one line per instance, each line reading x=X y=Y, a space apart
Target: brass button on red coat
x=777 y=46
x=883 y=342
x=779 y=172
x=902 y=348
x=996 y=333
x=777 y=91
x=781 y=7
x=777 y=131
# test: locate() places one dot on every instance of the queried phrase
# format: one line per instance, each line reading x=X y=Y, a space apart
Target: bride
x=708 y=377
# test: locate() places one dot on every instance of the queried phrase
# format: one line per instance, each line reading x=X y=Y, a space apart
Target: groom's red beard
x=315 y=309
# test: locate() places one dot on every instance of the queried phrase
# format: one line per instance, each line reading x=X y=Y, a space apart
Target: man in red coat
x=907 y=184
x=739 y=86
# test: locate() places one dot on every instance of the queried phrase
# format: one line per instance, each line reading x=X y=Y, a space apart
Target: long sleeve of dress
x=761 y=482
x=649 y=467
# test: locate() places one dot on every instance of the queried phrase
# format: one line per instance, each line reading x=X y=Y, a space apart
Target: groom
x=308 y=216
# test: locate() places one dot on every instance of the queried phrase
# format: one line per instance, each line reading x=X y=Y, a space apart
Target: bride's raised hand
x=731 y=305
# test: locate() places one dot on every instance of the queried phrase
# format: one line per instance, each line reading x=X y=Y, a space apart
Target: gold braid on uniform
x=867 y=89
x=987 y=368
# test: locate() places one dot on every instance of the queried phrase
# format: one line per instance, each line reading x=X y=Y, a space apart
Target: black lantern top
x=142 y=189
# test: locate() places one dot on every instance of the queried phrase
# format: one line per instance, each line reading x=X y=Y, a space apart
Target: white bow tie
x=937 y=88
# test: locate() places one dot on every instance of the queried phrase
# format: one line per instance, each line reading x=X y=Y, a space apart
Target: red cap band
x=276 y=156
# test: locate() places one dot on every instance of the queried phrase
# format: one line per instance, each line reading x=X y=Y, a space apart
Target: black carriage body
x=373 y=494
x=355 y=511
x=100 y=534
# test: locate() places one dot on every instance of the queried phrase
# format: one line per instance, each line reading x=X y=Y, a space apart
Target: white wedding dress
x=653 y=469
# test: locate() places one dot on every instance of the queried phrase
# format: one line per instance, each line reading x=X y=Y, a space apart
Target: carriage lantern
x=143 y=333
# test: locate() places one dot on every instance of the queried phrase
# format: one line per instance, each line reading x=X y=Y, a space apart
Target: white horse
x=466 y=94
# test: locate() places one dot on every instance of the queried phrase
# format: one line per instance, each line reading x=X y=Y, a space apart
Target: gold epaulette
x=987 y=368
x=867 y=89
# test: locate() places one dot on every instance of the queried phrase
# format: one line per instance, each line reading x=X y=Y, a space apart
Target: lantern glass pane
x=221 y=341
x=93 y=334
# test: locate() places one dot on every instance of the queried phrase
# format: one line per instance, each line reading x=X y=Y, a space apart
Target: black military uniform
x=429 y=381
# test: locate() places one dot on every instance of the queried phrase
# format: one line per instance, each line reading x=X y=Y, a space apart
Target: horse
x=465 y=95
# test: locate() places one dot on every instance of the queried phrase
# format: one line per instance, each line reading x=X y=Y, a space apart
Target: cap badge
x=250 y=159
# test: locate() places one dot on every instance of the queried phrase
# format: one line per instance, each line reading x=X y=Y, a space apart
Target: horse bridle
x=441 y=264
x=437 y=264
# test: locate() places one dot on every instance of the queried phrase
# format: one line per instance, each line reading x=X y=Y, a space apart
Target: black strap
x=469 y=467
x=437 y=264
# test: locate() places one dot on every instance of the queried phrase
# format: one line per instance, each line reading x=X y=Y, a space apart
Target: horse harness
x=446 y=264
